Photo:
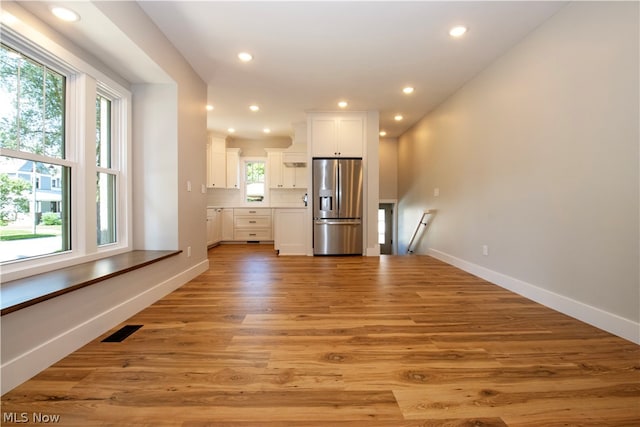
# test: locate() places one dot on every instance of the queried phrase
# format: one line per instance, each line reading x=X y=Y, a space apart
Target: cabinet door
x=301 y=177
x=275 y=168
x=295 y=177
x=216 y=163
x=217 y=171
x=290 y=231
x=227 y=224
x=350 y=137
x=324 y=136
x=210 y=220
x=209 y=231
x=233 y=169
x=289 y=177
x=216 y=232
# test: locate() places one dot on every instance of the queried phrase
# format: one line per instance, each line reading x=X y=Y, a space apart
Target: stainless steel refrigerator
x=337 y=206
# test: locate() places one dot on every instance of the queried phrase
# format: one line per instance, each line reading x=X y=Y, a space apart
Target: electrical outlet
x=436 y=192
x=188 y=185
x=188 y=251
x=203 y=189
x=485 y=250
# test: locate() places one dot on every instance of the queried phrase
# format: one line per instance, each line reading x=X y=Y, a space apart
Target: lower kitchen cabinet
x=214 y=226
x=290 y=231
x=252 y=224
x=227 y=224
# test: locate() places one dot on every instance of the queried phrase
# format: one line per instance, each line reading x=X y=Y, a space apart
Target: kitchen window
x=254 y=177
x=64 y=188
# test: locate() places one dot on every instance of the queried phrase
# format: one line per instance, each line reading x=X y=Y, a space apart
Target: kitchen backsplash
x=223 y=197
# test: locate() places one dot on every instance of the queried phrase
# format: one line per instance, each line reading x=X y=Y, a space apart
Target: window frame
x=84 y=82
x=243 y=180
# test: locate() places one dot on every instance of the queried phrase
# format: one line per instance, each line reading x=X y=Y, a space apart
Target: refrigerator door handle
x=325 y=222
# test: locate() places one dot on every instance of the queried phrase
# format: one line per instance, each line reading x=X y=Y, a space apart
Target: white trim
x=594 y=316
x=18 y=370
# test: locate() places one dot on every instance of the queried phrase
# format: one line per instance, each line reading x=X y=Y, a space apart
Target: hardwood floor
x=262 y=340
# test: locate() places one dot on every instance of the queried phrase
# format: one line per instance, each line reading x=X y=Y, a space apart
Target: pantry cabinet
x=337 y=135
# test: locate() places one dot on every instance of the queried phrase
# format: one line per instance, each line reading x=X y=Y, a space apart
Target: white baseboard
x=601 y=319
x=18 y=370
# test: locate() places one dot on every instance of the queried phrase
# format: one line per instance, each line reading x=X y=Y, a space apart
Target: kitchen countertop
x=281 y=206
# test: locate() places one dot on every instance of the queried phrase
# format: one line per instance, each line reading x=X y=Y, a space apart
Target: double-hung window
x=106 y=174
x=34 y=211
x=64 y=182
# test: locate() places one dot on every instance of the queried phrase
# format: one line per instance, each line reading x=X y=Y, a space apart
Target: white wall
x=537 y=158
x=169 y=147
x=388 y=168
x=371 y=162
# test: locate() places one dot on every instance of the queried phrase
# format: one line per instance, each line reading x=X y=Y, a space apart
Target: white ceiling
x=309 y=55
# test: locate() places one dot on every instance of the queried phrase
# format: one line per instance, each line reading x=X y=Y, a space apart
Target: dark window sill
x=28 y=291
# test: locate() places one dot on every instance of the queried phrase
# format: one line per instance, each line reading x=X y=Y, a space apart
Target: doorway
x=385 y=228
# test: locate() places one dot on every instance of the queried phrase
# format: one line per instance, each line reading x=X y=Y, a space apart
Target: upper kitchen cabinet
x=337 y=134
x=216 y=163
x=233 y=167
x=283 y=174
x=223 y=164
x=275 y=168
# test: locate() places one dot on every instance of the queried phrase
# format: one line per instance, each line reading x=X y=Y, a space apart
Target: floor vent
x=122 y=333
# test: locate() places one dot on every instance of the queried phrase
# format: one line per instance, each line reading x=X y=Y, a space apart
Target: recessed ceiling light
x=408 y=90
x=245 y=57
x=383 y=133
x=342 y=104
x=398 y=117
x=266 y=130
x=209 y=107
x=254 y=107
x=457 y=31
x=65 y=14
x=231 y=130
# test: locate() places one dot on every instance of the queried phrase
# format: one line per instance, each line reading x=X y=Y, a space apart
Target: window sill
x=28 y=291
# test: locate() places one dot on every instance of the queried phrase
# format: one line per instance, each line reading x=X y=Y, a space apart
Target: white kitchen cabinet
x=252 y=224
x=233 y=168
x=282 y=176
x=216 y=163
x=337 y=134
x=294 y=177
x=275 y=168
x=227 y=224
x=214 y=226
x=290 y=231
x=209 y=227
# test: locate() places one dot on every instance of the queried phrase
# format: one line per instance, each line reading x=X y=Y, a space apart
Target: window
x=34 y=217
x=255 y=180
x=53 y=193
x=106 y=190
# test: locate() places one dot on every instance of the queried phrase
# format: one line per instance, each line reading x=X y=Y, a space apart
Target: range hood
x=295 y=156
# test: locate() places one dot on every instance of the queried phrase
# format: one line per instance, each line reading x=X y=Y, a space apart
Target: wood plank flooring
x=262 y=340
